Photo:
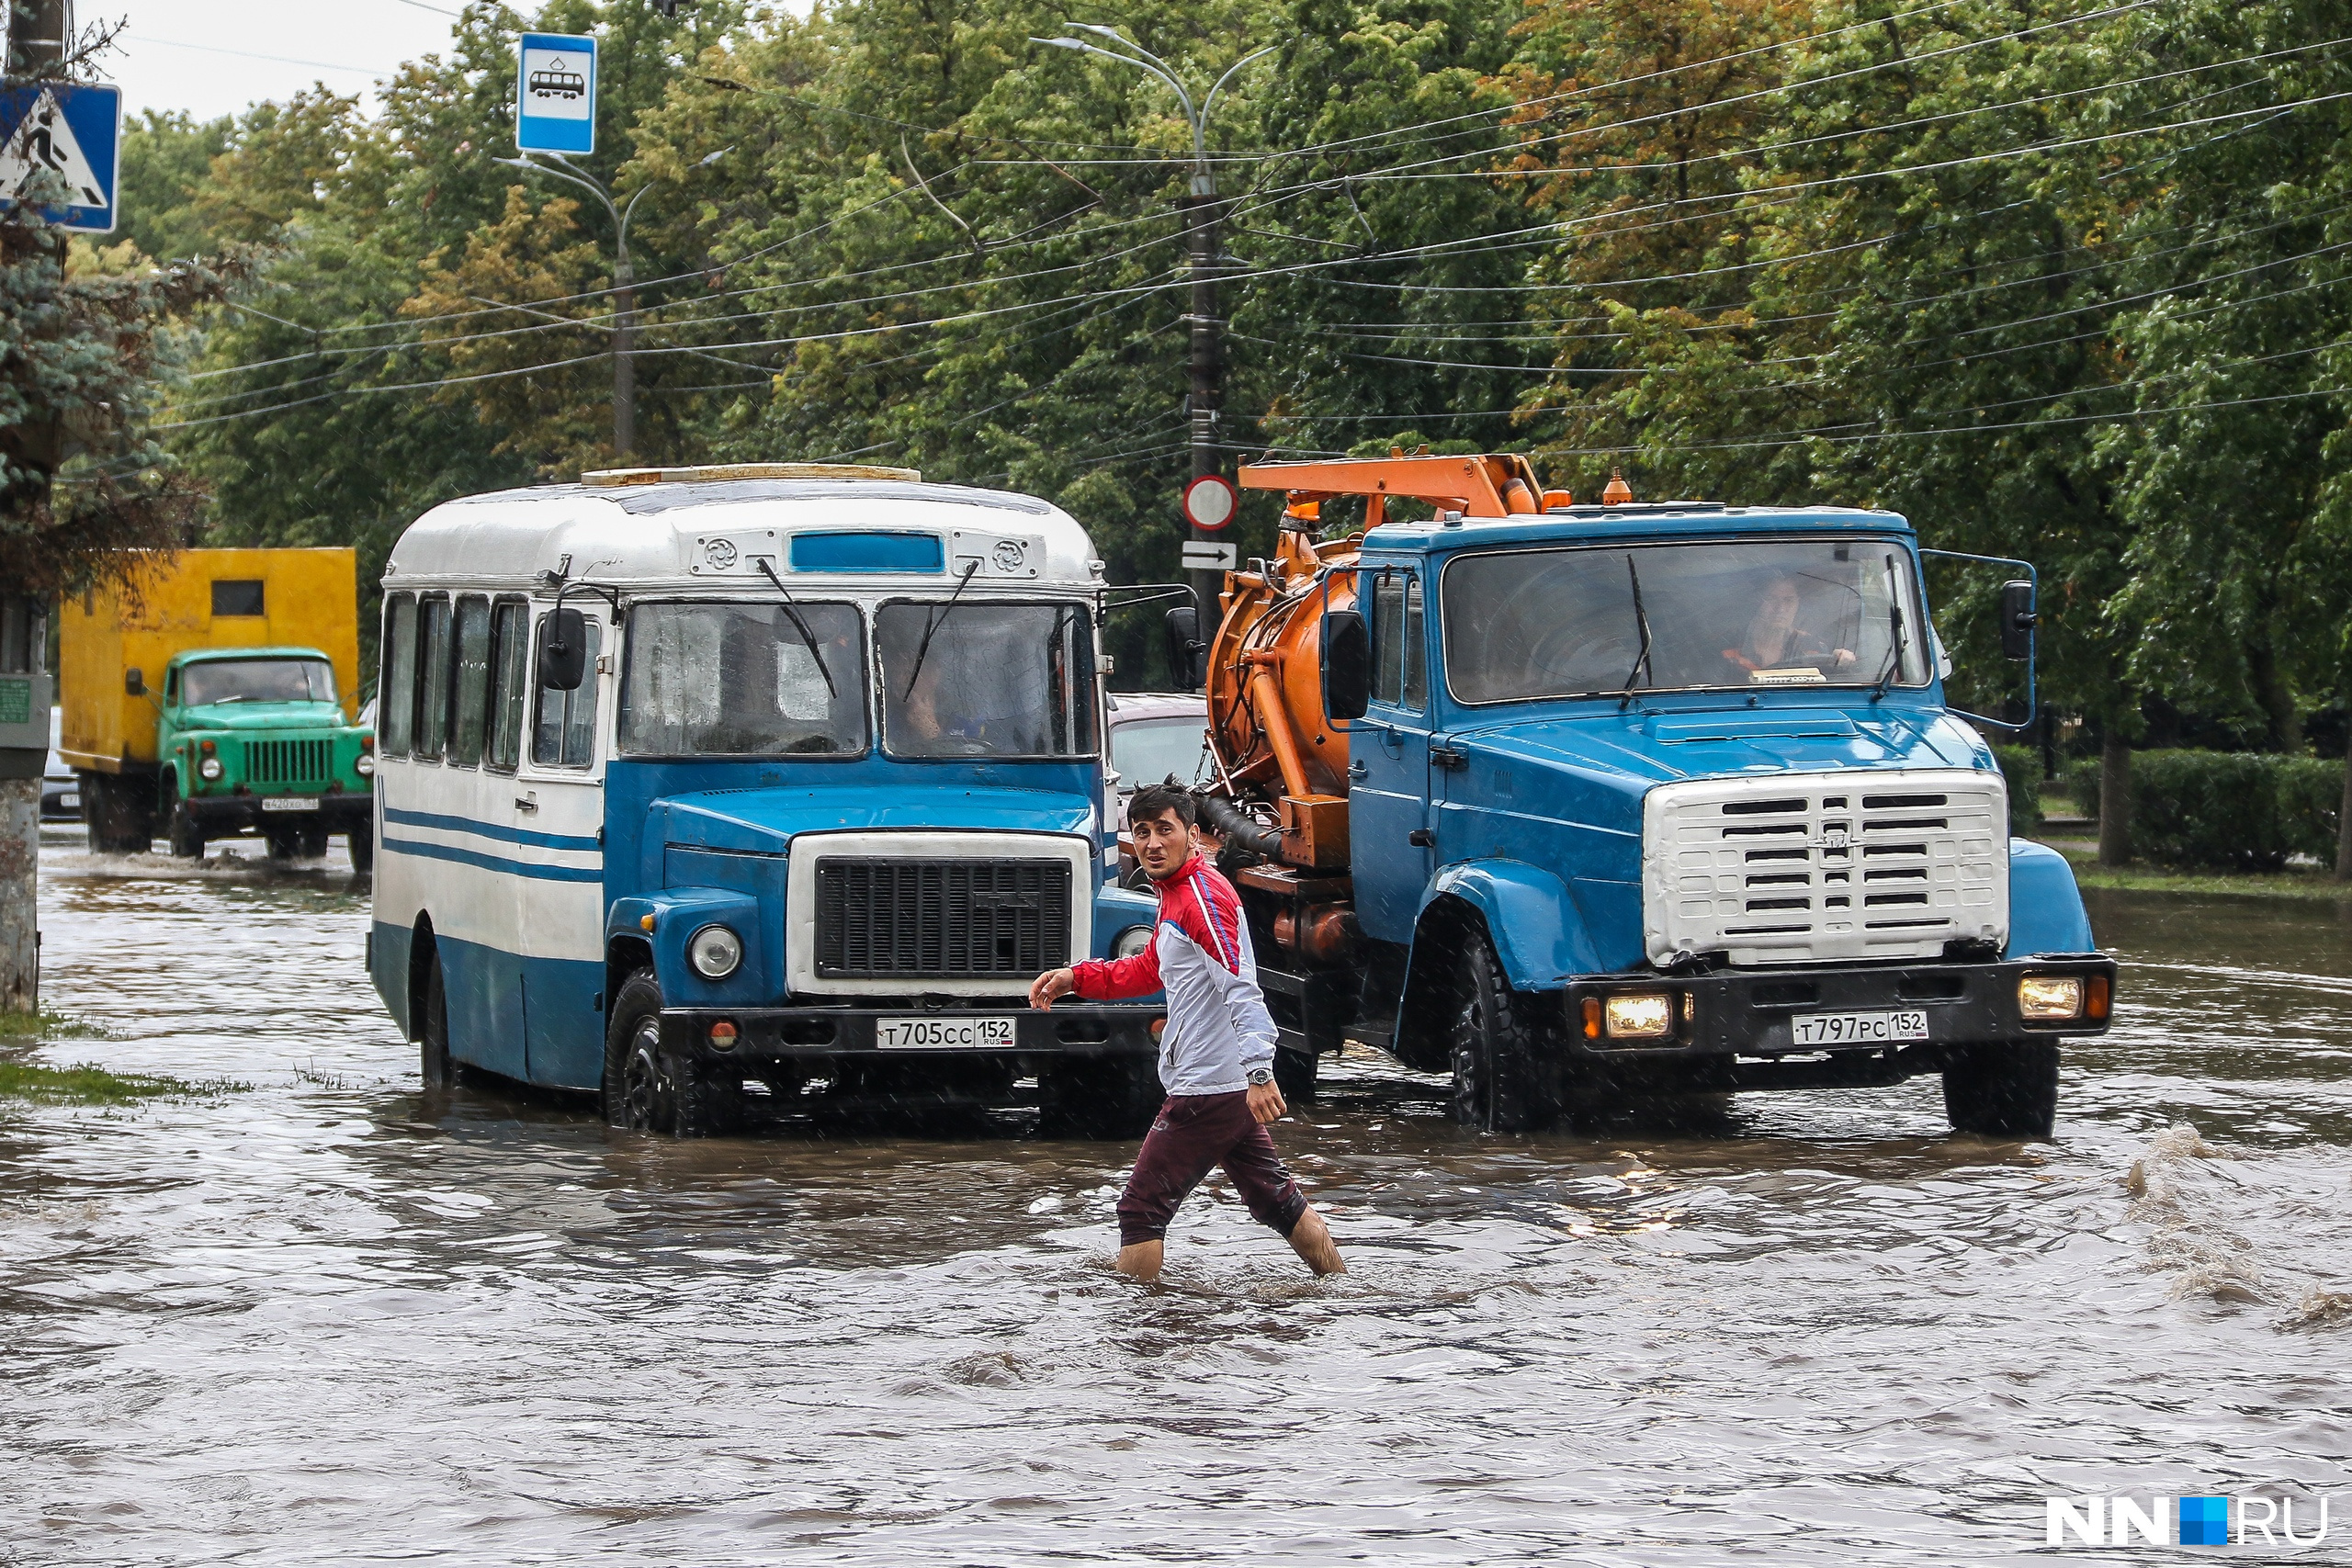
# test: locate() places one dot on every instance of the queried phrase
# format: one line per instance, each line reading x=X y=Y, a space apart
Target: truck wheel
x=2005 y=1088
x=1111 y=1098
x=433 y=1037
x=118 y=813
x=1499 y=1080
x=362 y=841
x=1295 y=1074
x=310 y=843
x=284 y=844
x=181 y=826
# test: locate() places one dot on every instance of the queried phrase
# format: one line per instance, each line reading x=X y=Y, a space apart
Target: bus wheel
x=1497 y=1072
x=635 y=1089
x=433 y=1048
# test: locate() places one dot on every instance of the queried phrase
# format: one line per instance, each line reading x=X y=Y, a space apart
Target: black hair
x=1154 y=800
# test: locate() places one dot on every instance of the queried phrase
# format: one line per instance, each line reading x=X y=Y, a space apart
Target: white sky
x=214 y=57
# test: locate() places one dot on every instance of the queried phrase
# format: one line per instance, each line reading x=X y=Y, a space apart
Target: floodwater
x=324 y=1319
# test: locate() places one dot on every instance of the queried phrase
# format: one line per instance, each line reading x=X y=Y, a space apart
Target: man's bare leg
x=1142 y=1260
x=1311 y=1239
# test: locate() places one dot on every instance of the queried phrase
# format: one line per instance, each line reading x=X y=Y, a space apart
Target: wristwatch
x=1260 y=1077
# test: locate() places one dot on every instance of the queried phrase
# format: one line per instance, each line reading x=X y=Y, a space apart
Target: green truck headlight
x=208 y=769
x=715 y=952
x=365 y=767
x=1638 y=1015
x=2048 y=996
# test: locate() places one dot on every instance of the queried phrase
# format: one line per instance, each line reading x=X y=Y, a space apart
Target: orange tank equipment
x=1281 y=758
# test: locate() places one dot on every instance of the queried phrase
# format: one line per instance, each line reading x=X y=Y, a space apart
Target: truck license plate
x=983 y=1031
x=1858 y=1028
x=289 y=802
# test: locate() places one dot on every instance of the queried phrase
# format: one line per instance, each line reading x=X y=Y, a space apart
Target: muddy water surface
x=325 y=1319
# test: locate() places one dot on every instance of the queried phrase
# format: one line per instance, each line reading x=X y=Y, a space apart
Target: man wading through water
x=1216 y=1053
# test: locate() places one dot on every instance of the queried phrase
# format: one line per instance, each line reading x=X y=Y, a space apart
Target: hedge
x=2234 y=810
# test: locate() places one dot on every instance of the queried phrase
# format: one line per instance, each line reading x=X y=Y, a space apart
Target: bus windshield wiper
x=923 y=649
x=806 y=635
x=1641 y=619
x=1895 y=625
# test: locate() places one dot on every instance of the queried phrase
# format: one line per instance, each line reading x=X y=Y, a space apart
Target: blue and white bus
x=779 y=779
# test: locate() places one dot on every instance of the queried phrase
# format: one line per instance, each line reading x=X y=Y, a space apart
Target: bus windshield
x=256 y=681
x=982 y=679
x=744 y=680
x=1595 y=621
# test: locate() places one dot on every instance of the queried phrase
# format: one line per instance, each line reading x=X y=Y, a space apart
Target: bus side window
x=509 y=682
x=1416 y=657
x=396 y=701
x=1387 y=639
x=565 y=735
x=432 y=675
x=469 y=682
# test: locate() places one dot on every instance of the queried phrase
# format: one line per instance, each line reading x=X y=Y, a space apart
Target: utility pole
x=39 y=34
x=1206 y=398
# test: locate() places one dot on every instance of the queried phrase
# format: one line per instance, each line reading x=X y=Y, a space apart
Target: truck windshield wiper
x=1641 y=619
x=923 y=649
x=1894 y=626
x=806 y=635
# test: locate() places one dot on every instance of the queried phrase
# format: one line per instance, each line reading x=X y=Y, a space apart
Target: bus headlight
x=1128 y=942
x=2049 y=996
x=1638 y=1015
x=715 y=952
x=208 y=770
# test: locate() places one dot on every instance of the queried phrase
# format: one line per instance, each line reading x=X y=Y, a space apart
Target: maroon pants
x=1192 y=1132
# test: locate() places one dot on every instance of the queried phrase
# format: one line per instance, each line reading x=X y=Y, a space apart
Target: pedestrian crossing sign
x=61 y=146
x=555 y=92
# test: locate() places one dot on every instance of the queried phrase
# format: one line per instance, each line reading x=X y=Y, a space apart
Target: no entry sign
x=1210 y=502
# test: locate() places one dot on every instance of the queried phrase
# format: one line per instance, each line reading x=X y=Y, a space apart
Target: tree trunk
x=19 y=917
x=2114 y=800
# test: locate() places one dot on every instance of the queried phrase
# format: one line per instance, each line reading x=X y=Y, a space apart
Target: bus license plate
x=289 y=802
x=1858 y=1028
x=984 y=1032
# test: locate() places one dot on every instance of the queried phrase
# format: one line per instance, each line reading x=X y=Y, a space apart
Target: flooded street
x=320 y=1318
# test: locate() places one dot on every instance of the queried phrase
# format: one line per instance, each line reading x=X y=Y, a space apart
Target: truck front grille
x=1807 y=867
x=289 y=762
x=890 y=917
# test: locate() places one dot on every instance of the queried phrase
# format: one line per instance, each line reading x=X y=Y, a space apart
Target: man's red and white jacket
x=1217 y=1025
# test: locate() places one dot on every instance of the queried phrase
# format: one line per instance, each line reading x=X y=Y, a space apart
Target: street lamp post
x=624 y=285
x=1204 y=403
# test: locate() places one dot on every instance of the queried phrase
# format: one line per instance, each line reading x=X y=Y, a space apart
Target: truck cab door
x=1389 y=764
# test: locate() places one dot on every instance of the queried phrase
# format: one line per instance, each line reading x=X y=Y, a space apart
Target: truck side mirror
x=2017 y=620
x=134 y=683
x=564 y=650
x=1347 y=664
x=1188 y=656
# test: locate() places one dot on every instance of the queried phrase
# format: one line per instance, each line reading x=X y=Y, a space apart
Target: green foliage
x=2021 y=770
x=2235 y=810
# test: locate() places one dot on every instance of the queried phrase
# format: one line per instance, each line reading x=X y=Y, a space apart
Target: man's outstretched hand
x=1266 y=1102
x=1051 y=984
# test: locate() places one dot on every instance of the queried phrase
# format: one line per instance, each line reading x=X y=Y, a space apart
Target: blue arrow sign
x=555 y=93
x=61 y=143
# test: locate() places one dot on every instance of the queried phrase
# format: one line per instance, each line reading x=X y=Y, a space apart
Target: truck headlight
x=715 y=952
x=208 y=769
x=1132 y=941
x=2050 y=996
x=1638 y=1015
x=365 y=767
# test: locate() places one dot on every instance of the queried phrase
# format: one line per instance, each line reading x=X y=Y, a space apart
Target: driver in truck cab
x=1774 y=640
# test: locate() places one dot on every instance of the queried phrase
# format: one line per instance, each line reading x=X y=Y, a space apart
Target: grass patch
x=2311 y=887
x=47 y=1026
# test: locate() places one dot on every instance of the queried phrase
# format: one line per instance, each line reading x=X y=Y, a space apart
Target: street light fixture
x=624 y=283
x=1207 y=344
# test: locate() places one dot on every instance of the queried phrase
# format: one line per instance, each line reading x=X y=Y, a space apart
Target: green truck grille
x=288 y=762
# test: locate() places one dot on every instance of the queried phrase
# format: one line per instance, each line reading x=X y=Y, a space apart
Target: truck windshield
x=1598 y=620
x=739 y=679
x=258 y=681
x=995 y=680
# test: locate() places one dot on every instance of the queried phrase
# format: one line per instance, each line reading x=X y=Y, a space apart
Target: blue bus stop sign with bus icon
x=555 y=93
x=65 y=136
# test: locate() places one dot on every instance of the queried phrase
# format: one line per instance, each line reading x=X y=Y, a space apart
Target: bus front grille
x=897 y=919
x=289 y=762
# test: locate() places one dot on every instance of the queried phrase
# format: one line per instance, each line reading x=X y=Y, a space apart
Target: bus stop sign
x=71 y=132
x=555 y=93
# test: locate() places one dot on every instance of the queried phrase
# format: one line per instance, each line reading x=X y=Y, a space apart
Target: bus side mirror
x=1347 y=664
x=134 y=683
x=564 y=650
x=1188 y=656
x=2017 y=620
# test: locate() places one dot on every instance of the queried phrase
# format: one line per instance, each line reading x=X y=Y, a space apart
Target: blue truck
x=1585 y=804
